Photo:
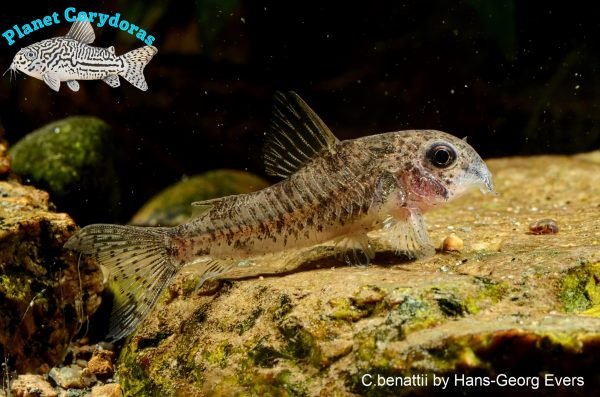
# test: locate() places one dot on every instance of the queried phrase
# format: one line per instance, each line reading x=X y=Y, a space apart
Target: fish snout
x=480 y=176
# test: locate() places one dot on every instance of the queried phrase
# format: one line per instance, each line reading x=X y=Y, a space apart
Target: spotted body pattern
x=71 y=58
x=334 y=191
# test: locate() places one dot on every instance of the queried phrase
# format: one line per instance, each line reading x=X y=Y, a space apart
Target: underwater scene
x=269 y=198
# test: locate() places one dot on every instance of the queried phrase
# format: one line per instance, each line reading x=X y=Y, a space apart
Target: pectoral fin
x=73 y=85
x=112 y=81
x=407 y=234
x=51 y=79
x=355 y=250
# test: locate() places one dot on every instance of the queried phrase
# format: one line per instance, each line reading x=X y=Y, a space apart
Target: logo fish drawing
x=72 y=58
x=333 y=191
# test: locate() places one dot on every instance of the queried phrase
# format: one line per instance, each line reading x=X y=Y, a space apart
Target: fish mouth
x=480 y=176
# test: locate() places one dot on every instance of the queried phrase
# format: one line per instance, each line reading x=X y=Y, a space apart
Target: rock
x=45 y=294
x=32 y=386
x=71 y=376
x=4 y=158
x=172 y=206
x=452 y=243
x=109 y=390
x=519 y=304
x=101 y=364
x=73 y=160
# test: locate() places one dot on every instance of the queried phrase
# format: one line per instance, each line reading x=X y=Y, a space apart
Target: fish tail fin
x=135 y=61
x=141 y=261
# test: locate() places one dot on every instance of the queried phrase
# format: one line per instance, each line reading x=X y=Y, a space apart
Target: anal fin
x=73 y=85
x=112 y=81
x=407 y=234
x=355 y=250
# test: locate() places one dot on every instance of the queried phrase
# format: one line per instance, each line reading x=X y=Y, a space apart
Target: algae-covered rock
x=509 y=303
x=172 y=206
x=73 y=160
x=46 y=295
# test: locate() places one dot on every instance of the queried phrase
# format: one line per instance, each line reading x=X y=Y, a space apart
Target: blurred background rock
x=515 y=77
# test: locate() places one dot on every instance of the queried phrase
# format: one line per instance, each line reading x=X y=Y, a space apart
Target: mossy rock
x=46 y=294
x=72 y=159
x=172 y=206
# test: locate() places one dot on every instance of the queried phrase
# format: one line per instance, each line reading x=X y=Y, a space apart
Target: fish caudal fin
x=135 y=62
x=140 y=263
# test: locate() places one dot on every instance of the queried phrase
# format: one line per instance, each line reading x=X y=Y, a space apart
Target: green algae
x=15 y=288
x=367 y=301
x=134 y=379
x=246 y=324
x=285 y=381
x=413 y=314
x=73 y=159
x=300 y=344
x=264 y=355
x=580 y=289
x=283 y=306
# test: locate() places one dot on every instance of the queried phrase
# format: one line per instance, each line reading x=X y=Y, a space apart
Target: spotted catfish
x=334 y=191
x=71 y=58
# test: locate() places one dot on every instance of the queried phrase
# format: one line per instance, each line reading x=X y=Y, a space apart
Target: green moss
x=132 y=377
x=15 y=288
x=367 y=301
x=218 y=355
x=344 y=309
x=580 y=289
x=411 y=315
x=282 y=308
x=299 y=342
x=246 y=324
x=489 y=292
x=263 y=355
x=73 y=160
x=285 y=381
x=451 y=306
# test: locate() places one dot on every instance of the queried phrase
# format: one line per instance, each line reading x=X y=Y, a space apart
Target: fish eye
x=441 y=155
x=30 y=55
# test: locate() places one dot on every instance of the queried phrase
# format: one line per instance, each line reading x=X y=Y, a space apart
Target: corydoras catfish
x=334 y=191
x=71 y=58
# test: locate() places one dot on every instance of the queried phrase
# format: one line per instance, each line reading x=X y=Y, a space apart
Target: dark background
x=516 y=77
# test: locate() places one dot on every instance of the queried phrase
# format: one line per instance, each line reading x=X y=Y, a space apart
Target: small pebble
x=109 y=390
x=543 y=226
x=32 y=385
x=101 y=364
x=81 y=363
x=452 y=243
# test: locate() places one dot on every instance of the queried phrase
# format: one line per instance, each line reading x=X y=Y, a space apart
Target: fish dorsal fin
x=82 y=31
x=296 y=134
